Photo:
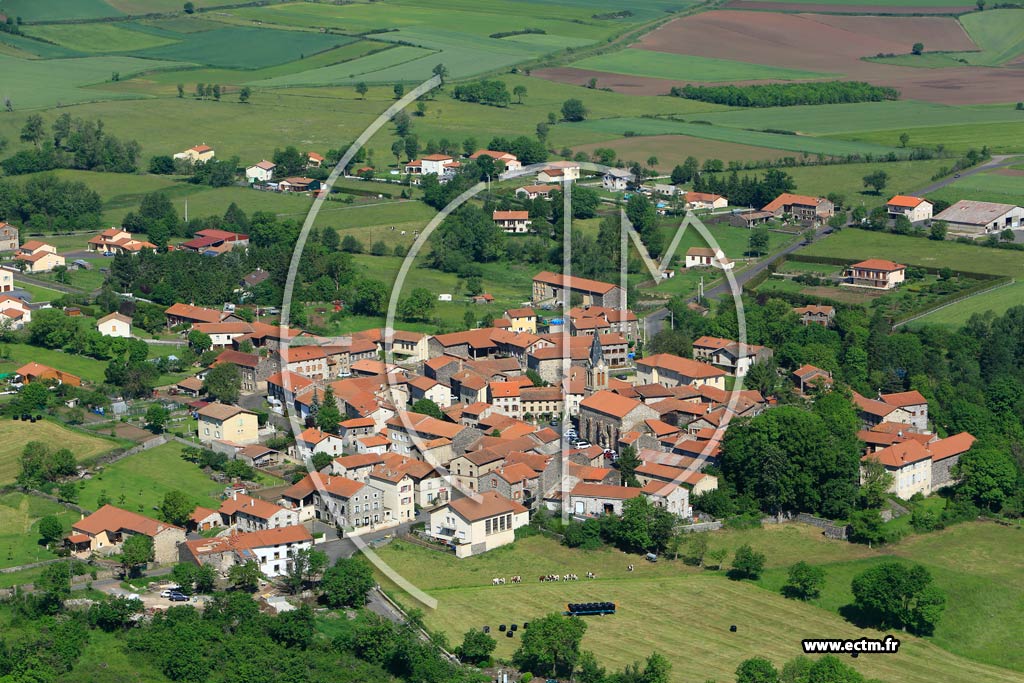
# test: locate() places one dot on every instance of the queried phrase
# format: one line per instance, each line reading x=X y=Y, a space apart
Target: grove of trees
x=787 y=94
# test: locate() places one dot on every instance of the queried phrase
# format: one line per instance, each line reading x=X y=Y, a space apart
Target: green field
x=955 y=316
x=880 y=3
x=848 y=179
x=49 y=10
x=88 y=369
x=862 y=244
x=143 y=479
x=617 y=127
x=345 y=72
x=39 y=293
x=1001 y=138
x=651 y=64
x=96 y=37
x=991 y=186
x=14 y=434
x=19 y=527
x=690 y=610
x=999 y=33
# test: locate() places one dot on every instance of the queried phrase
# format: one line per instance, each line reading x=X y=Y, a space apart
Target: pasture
x=139 y=482
x=861 y=244
x=1001 y=138
x=840 y=5
x=999 y=33
x=98 y=37
x=670 y=150
x=661 y=599
x=651 y=64
x=50 y=10
x=19 y=527
x=14 y=434
x=1004 y=186
x=997 y=301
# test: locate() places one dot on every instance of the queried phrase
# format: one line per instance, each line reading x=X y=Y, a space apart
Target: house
x=14 y=311
x=313 y=441
x=427 y=438
x=430 y=389
x=814 y=314
x=180 y=314
x=222 y=335
x=616 y=179
x=219 y=421
x=398 y=496
x=8 y=237
x=105 y=530
x=213 y=242
x=535 y=191
x=298 y=184
x=659 y=473
x=272 y=550
x=593 y=500
x=245 y=513
x=672 y=371
x=946 y=455
x=512 y=221
x=876 y=273
x=436 y=164
x=260 y=172
x=477 y=524
x=914 y=209
x=38 y=257
x=663 y=190
x=314 y=160
x=199 y=154
x=510 y=161
x=308 y=361
x=516 y=481
x=558 y=172
x=252 y=369
x=115 y=325
x=808 y=376
x=118 y=241
x=522 y=320
x=356 y=506
x=801 y=207
x=465 y=470
x=874 y=412
x=705 y=257
x=968 y=217
x=204 y=519
x=6 y=279
x=37 y=372
x=911 y=402
x=604 y=416
x=730 y=354
x=549 y=286
x=704 y=201
x=910 y=464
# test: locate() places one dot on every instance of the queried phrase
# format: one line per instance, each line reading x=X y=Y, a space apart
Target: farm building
x=748 y=219
x=914 y=208
x=705 y=200
x=298 y=184
x=969 y=217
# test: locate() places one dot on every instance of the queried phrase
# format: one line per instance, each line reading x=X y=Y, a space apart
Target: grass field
x=652 y=64
x=345 y=72
x=999 y=33
x=861 y=244
x=97 y=37
x=88 y=369
x=19 y=533
x=143 y=479
x=49 y=10
x=617 y=127
x=991 y=186
x=997 y=301
x=14 y=434
x=1001 y=138
x=39 y=293
x=689 y=610
x=880 y=3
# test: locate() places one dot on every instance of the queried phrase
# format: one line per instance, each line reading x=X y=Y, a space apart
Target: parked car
x=177 y=597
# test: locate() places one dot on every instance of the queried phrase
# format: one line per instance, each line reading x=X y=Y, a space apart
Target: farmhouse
x=510 y=161
x=179 y=314
x=968 y=217
x=558 y=172
x=512 y=221
x=219 y=421
x=478 y=524
x=197 y=154
x=271 y=549
x=106 y=529
x=914 y=209
x=115 y=325
x=213 y=242
x=814 y=314
x=705 y=200
x=705 y=257
x=548 y=286
x=260 y=172
x=910 y=465
x=8 y=237
x=117 y=241
x=616 y=179
x=535 y=191
x=807 y=376
x=801 y=207
x=314 y=160
x=876 y=273
x=38 y=257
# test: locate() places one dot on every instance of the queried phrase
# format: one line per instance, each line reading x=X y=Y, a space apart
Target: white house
x=14 y=311
x=115 y=325
x=261 y=172
x=914 y=208
x=437 y=164
x=705 y=200
x=511 y=161
x=705 y=257
x=197 y=154
x=313 y=441
x=476 y=524
x=512 y=221
x=272 y=549
x=616 y=179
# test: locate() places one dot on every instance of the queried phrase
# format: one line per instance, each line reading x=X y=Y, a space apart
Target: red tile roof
x=900 y=454
x=484 y=505
x=110 y=518
x=879 y=264
x=905 y=201
x=610 y=404
x=611 y=491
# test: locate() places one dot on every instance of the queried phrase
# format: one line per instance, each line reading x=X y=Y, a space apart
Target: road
x=997 y=161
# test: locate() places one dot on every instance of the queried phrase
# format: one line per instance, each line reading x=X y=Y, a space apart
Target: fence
x=981 y=288
x=699 y=527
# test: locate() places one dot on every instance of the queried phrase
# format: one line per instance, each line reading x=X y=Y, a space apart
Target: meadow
x=16 y=355
x=997 y=301
x=669 y=150
x=139 y=482
x=100 y=37
x=991 y=186
x=888 y=4
x=19 y=527
x=14 y=434
x=690 y=610
x=49 y=10
x=651 y=64
x=1000 y=137
x=998 y=32
x=861 y=244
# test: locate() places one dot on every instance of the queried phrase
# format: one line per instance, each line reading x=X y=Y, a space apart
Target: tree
x=55 y=582
x=50 y=530
x=399 y=90
x=876 y=180
x=642 y=214
x=520 y=92
x=441 y=71
x=156 y=418
x=747 y=563
x=346 y=583
x=289 y=161
x=756 y=670
x=181 y=90
x=305 y=567
x=244 y=94
x=628 y=462
x=417 y=306
x=476 y=647
x=114 y=613
x=245 y=577
x=980 y=4
x=875 y=484
x=895 y=595
x=551 y=646
x=804 y=582
x=988 y=477
x=34 y=130
x=189 y=8
x=866 y=527
x=938 y=231
x=371 y=297
x=135 y=551
x=362 y=89
x=757 y=243
x=176 y=507
x=67 y=492
x=425 y=406
x=205 y=578
x=329 y=415
x=573 y=110
x=200 y=342
x=917 y=49
x=223 y=382
x=216 y=92
x=398 y=149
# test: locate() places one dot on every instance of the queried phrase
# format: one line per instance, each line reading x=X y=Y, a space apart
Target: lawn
x=14 y=434
x=139 y=482
x=651 y=64
x=19 y=527
x=861 y=244
x=997 y=301
x=689 y=610
x=100 y=38
x=16 y=355
x=38 y=293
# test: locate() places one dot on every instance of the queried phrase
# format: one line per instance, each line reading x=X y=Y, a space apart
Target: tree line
x=71 y=143
x=787 y=94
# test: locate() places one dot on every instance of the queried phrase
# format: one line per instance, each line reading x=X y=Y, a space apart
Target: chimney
x=234 y=494
x=328 y=479
x=252 y=502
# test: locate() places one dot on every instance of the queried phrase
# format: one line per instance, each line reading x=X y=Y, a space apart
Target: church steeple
x=597 y=371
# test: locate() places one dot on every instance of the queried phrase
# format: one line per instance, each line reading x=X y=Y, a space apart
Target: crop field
x=652 y=64
x=48 y=10
x=672 y=149
x=769 y=625
x=346 y=72
x=19 y=527
x=861 y=244
x=29 y=48
x=1001 y=138
x=618 y=127
x=143 y=479
x=999 y=33
x=14 y=434
x=886 y=5
x=96 y=37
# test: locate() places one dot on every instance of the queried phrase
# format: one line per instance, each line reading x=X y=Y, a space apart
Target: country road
x=997 y=161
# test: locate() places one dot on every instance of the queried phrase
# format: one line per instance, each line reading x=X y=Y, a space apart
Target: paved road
x=997 y=161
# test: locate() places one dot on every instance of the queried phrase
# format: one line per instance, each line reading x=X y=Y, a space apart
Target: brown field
x=1015 y=172
x=842 y=295
x=816 y=42
x=671 y=148
x=844 y=9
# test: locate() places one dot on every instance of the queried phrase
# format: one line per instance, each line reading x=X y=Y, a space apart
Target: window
x=487 y=527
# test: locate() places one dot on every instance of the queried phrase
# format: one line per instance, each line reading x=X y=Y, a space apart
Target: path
x=997 y=161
